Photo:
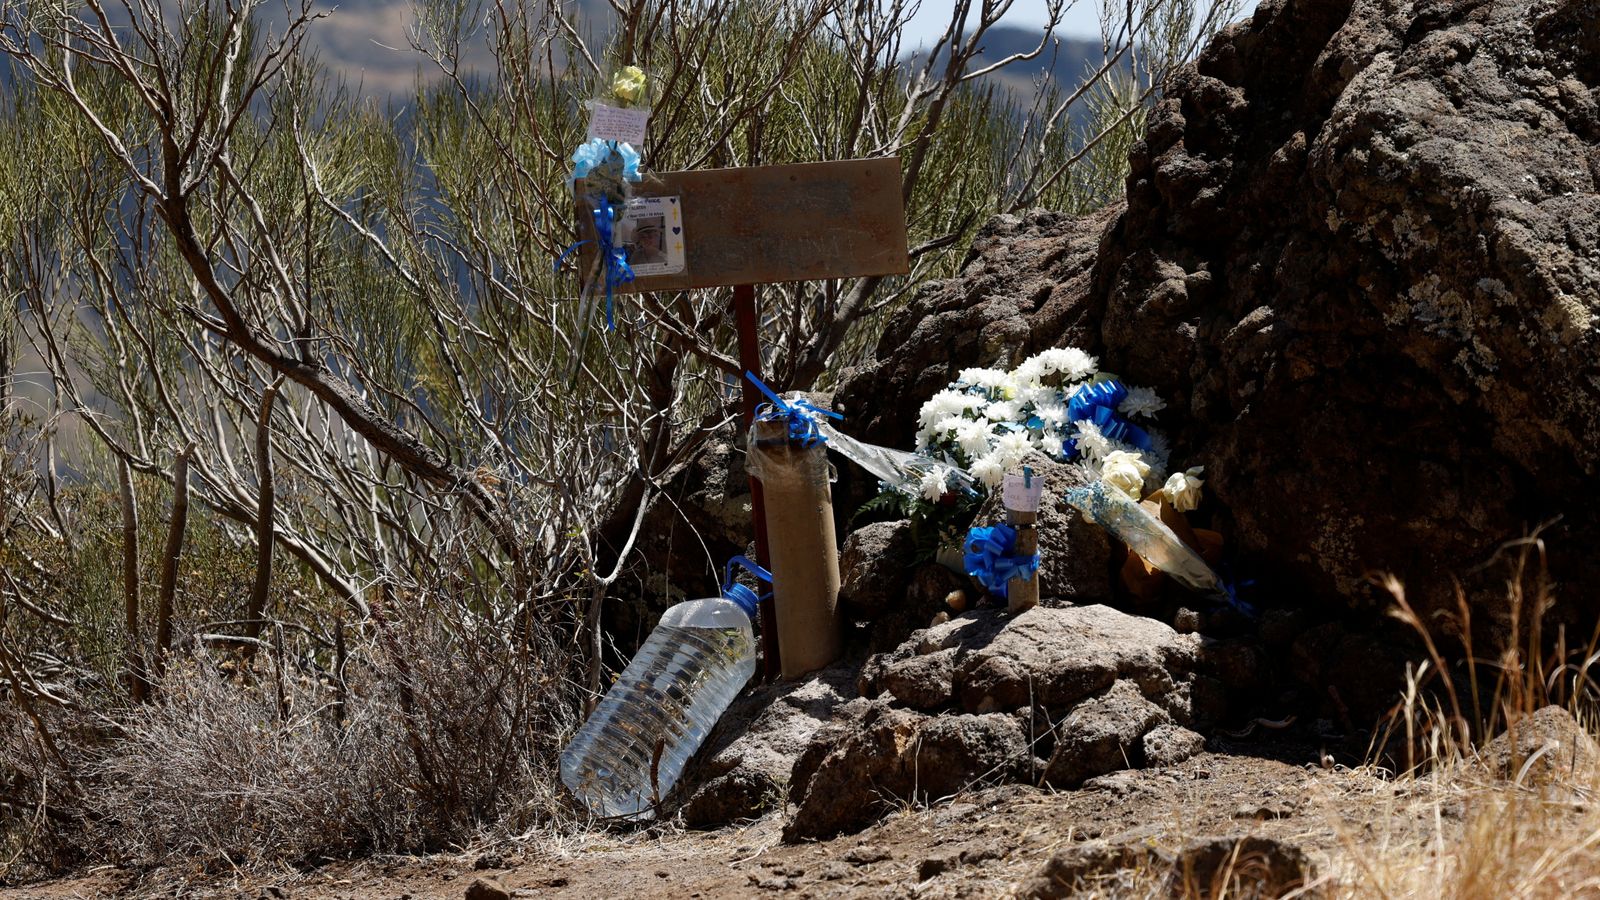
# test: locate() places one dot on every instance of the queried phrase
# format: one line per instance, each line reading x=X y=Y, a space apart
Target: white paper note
x=1022 y=492
x=608 y=123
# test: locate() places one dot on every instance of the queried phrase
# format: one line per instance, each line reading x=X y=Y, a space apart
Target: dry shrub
x=441 y=726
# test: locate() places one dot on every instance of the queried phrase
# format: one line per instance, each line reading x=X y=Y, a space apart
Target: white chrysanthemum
x=1004 y=411
x=1051 y=412
x=988 y=379
x=933 y=483
x=1070 y=362
x=937 y=408
x=1050 y=441
x=1030 y=374
x=1013 y=447
x=945 y=404
x=1092 y=445
x=1077 y=365
x=1125 y=472
x=1141 y=401
x=1183 y=489
x=973 y=437
x=989 y=470
x=1038 y=395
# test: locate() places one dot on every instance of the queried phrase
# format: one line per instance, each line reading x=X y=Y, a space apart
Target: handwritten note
x=1022 y=492
x=608 y=123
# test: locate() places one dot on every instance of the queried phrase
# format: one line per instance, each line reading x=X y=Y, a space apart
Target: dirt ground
x=981 y=844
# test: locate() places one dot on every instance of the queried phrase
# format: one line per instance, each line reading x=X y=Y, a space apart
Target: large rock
x=1250 y=867
x=1044 y=657
x=1360 y=258
x=743 y=769
x=1245 y=866
x=878 y=754
x=1102 y=736
x=1053 y=696
x=875 y=567
x=1547 y=748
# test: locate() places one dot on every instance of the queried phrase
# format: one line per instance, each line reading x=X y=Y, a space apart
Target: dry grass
x=1530 y=830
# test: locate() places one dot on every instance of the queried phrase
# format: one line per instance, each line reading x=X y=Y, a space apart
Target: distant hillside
x=1065 y=62
x=365 y=40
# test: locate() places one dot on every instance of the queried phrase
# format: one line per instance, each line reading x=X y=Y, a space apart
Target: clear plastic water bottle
x=634 y=746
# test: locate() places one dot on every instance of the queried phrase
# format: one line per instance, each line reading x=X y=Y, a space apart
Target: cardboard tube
x=803 y=547
x=1020 y=494
x=1023 y=594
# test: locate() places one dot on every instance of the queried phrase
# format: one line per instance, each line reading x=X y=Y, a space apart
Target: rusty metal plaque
x=766 y=224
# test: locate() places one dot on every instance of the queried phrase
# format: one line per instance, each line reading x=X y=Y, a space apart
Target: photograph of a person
x=647 y=245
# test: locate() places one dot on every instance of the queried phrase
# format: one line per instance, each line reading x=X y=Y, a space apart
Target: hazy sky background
x=1081 y=20
x=362 y=39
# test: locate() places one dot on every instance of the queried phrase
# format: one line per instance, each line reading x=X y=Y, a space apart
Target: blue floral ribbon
x=590 y=156
x=1098 y=403
x=618 y=272
x=800 y=414
x=989 y=558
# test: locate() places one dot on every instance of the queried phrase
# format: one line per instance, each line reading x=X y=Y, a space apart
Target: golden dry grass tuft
x=1517 y=820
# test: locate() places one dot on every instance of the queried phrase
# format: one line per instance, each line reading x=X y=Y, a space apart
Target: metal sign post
x=767 y=225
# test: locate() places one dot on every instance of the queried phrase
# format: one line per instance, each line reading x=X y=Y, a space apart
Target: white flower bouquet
x=1059 y=403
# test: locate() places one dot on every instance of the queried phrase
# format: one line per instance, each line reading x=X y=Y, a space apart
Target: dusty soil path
x=982 y=844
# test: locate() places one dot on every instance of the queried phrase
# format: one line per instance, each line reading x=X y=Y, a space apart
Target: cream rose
x=1125 y=472
x=1183 y=489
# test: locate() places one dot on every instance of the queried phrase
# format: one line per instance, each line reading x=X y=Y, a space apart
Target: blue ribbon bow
x=801 y=414
x=1098 y=403
x=989 y=558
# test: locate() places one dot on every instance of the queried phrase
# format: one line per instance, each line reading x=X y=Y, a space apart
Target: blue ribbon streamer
x=1233 y=586
x=801 y=414
x=989 y=558
x=746 y=598
x=618 y=272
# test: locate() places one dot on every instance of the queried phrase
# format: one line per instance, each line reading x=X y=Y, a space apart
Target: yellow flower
x=628 y=84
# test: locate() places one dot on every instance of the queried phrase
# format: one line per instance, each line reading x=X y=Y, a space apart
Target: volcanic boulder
x=1360 y=259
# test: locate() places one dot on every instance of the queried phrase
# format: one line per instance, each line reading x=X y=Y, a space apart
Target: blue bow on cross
x=989 y=558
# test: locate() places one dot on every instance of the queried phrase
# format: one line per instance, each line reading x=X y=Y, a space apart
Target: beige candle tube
x=802 y=545
x=1022 y=594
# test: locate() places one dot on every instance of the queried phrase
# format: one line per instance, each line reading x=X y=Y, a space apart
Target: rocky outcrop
x=1230 y=866
x=1053 y=696
x=742 y=771
x=1546 y=748
x=1360 y=258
